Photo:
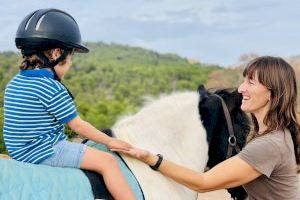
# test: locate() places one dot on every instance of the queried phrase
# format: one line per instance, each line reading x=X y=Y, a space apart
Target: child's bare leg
x=107 y=165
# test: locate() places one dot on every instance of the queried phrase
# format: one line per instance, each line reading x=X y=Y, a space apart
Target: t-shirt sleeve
x=262 y=154
x=62 y=107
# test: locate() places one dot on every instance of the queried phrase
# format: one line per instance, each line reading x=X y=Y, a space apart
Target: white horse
x=172 y=126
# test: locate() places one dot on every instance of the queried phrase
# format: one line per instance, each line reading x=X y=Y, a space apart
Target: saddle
x=21 y=180
x=97 y=183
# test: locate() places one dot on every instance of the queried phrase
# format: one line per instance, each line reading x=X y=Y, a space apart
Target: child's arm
x=85 y=129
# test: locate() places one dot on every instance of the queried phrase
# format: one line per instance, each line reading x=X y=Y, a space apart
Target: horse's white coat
x=170 y=126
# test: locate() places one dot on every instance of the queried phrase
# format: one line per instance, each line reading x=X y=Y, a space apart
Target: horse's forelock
x=231 y=96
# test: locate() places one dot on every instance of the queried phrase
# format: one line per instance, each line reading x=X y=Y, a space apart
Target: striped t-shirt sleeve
x=62 y=107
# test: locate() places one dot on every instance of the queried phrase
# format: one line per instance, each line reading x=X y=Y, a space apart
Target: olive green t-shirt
x=273 y=156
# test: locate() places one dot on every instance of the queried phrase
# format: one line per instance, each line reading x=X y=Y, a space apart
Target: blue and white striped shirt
x=35 y=108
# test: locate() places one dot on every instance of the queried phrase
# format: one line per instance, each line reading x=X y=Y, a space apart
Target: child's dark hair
x=35 y=62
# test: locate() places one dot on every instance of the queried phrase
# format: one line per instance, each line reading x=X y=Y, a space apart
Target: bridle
x=232 y=144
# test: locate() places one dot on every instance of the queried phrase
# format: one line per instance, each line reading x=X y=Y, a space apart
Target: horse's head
x=215 y=123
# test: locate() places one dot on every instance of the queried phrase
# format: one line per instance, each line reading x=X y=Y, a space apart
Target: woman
x=267 y=166
x=37 y=105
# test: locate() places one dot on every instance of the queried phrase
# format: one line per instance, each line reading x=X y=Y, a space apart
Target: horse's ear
x=232 y=98
x=203 y=92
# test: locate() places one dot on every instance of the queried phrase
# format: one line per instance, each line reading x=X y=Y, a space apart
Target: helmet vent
x=39 y=23
x=28 y=22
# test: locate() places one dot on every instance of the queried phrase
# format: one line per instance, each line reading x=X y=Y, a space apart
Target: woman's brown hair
x=279 y=77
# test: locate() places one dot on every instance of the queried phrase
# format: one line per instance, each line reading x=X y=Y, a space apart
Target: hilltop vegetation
x=112 y=80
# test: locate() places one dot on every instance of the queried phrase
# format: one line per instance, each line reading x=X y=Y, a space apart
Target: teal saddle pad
x=25 y=181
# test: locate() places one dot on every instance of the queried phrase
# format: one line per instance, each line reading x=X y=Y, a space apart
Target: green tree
x=113 y=79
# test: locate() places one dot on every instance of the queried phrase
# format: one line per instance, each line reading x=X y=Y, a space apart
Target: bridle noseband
x=232 y=143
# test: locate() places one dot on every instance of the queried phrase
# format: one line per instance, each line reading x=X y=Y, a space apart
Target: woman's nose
x=241 y=88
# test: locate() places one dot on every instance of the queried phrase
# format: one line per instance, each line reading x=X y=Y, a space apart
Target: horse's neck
x=170 y=126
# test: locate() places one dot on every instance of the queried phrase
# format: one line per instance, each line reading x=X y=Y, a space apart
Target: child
x=37 y=105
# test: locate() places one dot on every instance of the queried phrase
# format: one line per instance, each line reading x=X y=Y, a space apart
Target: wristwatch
x=158 y=162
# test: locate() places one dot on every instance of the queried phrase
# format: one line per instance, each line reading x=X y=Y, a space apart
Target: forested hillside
x=112 y=80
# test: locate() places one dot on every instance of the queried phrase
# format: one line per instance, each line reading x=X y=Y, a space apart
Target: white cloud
x=216 y=31
x=188 y=11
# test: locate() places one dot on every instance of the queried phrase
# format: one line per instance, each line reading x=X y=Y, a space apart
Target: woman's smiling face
x=256 y=97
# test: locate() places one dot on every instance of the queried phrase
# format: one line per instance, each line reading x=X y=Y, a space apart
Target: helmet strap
x=62 y=57
x=52 y=64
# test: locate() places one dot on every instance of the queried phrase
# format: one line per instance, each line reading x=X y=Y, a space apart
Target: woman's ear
x=269 y=95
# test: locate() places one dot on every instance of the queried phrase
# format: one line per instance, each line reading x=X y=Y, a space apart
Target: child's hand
x=118 y=145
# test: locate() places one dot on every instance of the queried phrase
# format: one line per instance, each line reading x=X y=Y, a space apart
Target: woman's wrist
x=158 y=162
x=154 y=161
x=150 y=159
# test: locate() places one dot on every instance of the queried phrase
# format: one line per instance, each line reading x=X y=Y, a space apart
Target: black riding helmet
x=46 y=29
x=49 y=28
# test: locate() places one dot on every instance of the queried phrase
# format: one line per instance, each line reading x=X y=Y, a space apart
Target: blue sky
x=211 y=31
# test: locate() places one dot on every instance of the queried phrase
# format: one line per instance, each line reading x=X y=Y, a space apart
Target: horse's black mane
x=213 y=119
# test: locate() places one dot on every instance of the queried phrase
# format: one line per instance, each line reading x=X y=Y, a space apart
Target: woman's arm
x=85 y=129
x=227 y=174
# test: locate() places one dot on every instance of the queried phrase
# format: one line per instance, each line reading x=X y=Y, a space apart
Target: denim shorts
x=66 y=154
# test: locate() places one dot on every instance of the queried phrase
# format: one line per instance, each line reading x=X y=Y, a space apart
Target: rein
x=232 y=144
